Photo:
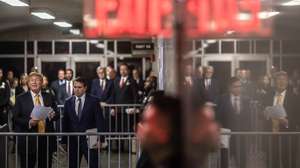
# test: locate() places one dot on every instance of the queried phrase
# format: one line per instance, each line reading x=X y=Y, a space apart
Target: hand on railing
x=113 y=112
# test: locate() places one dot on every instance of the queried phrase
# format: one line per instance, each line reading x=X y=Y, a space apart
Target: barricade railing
x=63 y=150
x=257 y=150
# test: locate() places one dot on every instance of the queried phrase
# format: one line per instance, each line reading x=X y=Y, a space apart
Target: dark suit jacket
x=291 y=105
x=214 y=91
x=60 y=91
x=105 y=95
x=22 y=112
x=127 y=94
x=228 y=117
x=92 y=116
x=4 y=94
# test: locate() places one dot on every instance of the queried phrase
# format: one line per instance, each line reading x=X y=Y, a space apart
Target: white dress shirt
x=236 y=103
x=77 y=103
x=124 y=79
x=71 y=87
x=102 y=83
x=207 y=83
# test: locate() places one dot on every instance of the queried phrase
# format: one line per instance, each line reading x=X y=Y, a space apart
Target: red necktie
x=122 y=83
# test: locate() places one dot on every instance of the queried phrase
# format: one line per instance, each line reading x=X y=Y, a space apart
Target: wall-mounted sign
x=148 y=18
x=142 y=48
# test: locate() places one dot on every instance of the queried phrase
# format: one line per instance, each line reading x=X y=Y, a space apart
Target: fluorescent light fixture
x=243 y=16
x=93 y=41
x=62 y=24
x=100 y=45
x=230 y=32
x=43 y=15
x=14 y=2
x=211 y=41
x=75 y=31
x=292 y=3
x=267 y=14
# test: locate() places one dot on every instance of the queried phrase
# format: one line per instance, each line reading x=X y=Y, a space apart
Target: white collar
x=282 y=93
x=34 y=94
x=82 y=97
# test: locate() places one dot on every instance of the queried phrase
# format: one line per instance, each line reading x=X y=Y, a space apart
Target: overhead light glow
x=14 y=2
x=267 y=14
x=100 y=45
x=63 y=24
x=292 y=3
x=43 y=15
x=75 y=31
x=244 y=16
x=93 y=41
x=230 y=32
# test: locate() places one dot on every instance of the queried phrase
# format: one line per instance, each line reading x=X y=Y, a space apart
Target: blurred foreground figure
x=155 y=132
x=159 y=133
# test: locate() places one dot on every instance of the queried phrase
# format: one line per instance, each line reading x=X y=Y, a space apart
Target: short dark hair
x=69 y=69
x=123 y=64
x=169 y=108
x=81 y=80
x=61 y=70
x=233 y=80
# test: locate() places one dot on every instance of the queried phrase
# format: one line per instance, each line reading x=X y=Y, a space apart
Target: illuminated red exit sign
x=147 y=18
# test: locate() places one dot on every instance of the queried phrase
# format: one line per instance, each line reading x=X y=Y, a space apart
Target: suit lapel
x=85 y=106
x=30 y=101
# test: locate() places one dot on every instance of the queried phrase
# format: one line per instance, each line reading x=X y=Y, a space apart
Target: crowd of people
x=232 y=105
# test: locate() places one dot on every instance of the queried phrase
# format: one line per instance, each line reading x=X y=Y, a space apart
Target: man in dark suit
x=283 y=96
x=139 y=83
x=102 y=88
x=125 y=87
x=32 y=148
x=65 y=90
x=210 y=84
x=59 y=86
x=82 y=112
x=4 y=98
x=233 y=112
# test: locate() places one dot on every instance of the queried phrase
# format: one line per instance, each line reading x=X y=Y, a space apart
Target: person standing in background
x=139 y=82
x=4 y=98
x=22 y=88
x=58 y=84
x=102 y=88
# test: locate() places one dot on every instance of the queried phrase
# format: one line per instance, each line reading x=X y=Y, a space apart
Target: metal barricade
x=45 y=150
x=257 y=150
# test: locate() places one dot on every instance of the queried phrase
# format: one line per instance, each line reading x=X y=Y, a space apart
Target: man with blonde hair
x=35 y=149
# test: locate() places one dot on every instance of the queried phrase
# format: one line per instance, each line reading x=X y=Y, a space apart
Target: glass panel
x=212 y=48
x=276 y=46
x=132 y=63
x=227 y=47
x=111 y=46
x=257 y=68
x=124 y=47
x=262 y=46
x=243 y=46
x=44 y=47
x=30 y=47
x=79 y=47
x=11 y=47
x=96 y=50
x=61 y=47
x=30 y=64
x=87 y=70
x=50 y=69
x=222 y=72
x=14 y=64
x=290 y=46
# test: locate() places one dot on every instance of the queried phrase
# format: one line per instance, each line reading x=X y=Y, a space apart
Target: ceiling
x=286 y=24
